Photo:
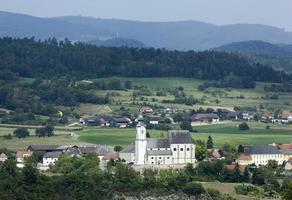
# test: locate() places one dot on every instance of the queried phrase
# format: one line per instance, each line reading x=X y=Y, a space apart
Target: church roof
x=180 y=137
x=159 y=152
x=157 y=143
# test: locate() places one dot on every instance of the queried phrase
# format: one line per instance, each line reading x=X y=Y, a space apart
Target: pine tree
x=210 y=144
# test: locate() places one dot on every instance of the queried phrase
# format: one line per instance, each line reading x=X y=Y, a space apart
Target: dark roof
x=234 y=114
x=159 y=152
x=201 y=116
x=128 y=149
x=43 y=147
x=157 y=143
x=55 y=154
x=263 y=149
x=180 y=137
x=72 y=151
x=87 y=149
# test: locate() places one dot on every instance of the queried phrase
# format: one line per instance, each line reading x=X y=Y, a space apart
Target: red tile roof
x=23 y=154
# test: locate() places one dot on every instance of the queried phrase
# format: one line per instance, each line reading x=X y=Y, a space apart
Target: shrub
x=243 y=126
x=193 y=188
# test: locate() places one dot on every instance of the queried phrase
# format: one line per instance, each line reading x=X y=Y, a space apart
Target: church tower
x=140 y=144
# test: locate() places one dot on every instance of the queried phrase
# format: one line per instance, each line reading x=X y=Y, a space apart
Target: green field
x=221 y=133
x=228 y=97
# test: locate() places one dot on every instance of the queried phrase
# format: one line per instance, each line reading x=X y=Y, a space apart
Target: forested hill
x=30 y=58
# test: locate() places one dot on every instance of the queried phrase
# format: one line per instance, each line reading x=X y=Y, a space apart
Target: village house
x=170 y=110
x=123 y=122
x=286 y=117
x=3 y=157
x=21 y=155
x=97 y=120
x=247 y=116
x=145 y=110
x=128 y=154
x=205 y=117
x=215 y=153
x=231 y=167
x=51 y=158
x=260 y=154
x=267 y=116
x=234 y=115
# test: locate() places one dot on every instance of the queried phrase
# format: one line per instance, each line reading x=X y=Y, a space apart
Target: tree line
x=30 y=58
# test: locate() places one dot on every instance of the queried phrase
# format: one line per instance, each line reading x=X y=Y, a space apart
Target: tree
x=40 y=132
x=287 y=193
x=118 y=148
x=210 y=144
x=148 y=135
x=21 y=132
x=246 y=176
x=243 y=126
x=49 y=130
x=186 y=125
x=193 y=188
x=240 y=149
x=201 y=152
x=128 y=85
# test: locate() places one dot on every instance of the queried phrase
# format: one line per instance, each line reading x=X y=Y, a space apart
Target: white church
x=176 y=148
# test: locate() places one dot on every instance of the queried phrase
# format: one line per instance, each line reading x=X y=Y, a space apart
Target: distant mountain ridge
x=181 y=35
x=279 y=56
x=258 y=47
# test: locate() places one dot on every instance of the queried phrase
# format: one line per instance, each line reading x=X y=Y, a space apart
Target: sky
x=270 y=12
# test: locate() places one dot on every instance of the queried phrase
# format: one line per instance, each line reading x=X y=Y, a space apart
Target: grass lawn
x=258 y=134
x=221 y=134
x=113 y=137
x=21 y=144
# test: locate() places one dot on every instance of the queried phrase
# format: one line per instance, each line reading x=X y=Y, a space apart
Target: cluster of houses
x=124 y=122
x=284 y=118
x=51 y=153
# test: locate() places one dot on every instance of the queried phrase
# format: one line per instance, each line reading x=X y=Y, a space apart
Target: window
x=159 y=157
x=181 y=149
x=152 y=162
x=167 y=157
x=188 y=149
x=174 y=149
x=152 y=158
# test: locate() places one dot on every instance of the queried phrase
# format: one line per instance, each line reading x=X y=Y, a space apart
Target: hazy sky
x=271 y=12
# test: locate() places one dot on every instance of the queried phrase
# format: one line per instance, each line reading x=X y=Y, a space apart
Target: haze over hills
x=278 y=56
x=182 y=35
x=258 y=47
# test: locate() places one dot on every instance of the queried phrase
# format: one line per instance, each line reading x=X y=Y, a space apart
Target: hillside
x=181 y=35
x=257 y=47
x=278 y=56
x=39 y=80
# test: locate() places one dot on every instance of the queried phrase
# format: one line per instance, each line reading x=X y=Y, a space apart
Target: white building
x=261 y=154
x=3 y=157
x=177 y=148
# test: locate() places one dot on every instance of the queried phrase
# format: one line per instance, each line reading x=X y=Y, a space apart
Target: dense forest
x=30 y=58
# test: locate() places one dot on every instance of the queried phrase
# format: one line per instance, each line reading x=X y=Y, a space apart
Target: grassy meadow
x=221 y=133
x=228 y=97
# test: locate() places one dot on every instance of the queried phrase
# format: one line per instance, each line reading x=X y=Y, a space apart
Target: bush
x=193 y=188
x=246 y=189
x=243 y=126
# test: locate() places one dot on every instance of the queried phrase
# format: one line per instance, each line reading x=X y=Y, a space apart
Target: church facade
x=176 y=148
